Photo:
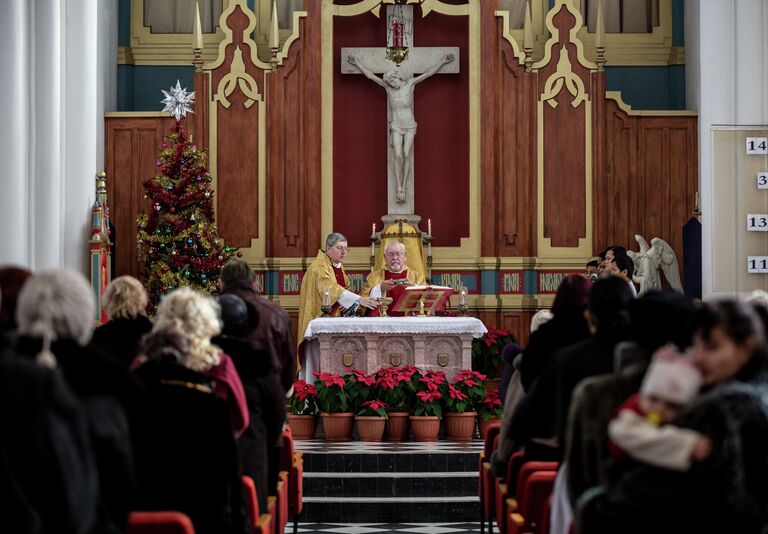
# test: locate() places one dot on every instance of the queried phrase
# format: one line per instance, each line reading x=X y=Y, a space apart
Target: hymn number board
x=758 y=222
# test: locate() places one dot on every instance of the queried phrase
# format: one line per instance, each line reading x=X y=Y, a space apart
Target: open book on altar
x=433 y=297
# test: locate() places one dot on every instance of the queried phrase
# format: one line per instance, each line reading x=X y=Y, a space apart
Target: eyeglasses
x=394 y=254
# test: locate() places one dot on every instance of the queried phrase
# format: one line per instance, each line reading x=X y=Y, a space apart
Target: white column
x=728 y=43
x=59 y=76
x=13 y=134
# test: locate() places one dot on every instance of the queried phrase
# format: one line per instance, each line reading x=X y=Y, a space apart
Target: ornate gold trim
x=519 y=54
x=555 y=36
x=622 y=49
x=149 y=48
x=564 y=77
x=626 y=108
x=286 y=46
x=125 y=55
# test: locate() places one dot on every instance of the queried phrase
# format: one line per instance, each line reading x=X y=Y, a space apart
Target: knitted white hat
x=671 y=377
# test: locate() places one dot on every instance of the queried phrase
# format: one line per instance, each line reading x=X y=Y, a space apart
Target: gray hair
x=333 y=238
x=398 y=244
x=56 y=304
x=125 y=298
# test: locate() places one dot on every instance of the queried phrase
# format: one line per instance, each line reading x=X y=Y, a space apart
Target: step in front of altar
x=358 y=482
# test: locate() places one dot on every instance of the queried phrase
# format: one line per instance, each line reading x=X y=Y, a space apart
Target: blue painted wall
x=138 y=88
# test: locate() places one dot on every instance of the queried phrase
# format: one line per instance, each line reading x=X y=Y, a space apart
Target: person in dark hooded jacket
x=265 y=396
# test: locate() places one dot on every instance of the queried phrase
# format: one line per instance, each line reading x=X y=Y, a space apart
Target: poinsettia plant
x=429 y=397
x=394 y=384
x=302 y=402
x=332 y=396
x=359 y=387
x=374 y=407
x=490 y=406
x=486 y=351
x=465 y=390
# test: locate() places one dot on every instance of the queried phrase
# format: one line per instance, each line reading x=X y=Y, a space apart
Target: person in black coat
x=259 y=444
x=567 y=326
x=727 y=492
x=126 y=304
x=540 y=423
x=48 y=479
x=186 y=457
x=54 y=315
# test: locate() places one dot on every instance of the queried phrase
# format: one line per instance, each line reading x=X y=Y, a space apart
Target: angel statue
x=649 y=260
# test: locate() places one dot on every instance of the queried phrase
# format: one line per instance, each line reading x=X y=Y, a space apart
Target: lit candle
x=373 y=230
x=373 y=235
x=326 y=296
x=429 y=227
x=275 y=37
x=397 y=34
x=462 y=296
x=198 y=29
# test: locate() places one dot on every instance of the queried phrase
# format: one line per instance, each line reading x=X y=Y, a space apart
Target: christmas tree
x=177 y=241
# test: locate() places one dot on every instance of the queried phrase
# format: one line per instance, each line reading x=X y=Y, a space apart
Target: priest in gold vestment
x=326 y=271
x=393 y=280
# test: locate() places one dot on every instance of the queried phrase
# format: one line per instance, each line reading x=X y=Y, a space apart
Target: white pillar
x=13 y=134
x=727 y=48
x=59 y=76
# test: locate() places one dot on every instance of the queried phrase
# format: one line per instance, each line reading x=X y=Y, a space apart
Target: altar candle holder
x=325 y=302
x=463 y=308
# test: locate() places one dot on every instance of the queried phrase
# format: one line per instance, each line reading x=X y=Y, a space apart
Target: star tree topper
x=177 y=101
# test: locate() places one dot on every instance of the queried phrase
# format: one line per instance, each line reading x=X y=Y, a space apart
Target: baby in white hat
x=640 y=428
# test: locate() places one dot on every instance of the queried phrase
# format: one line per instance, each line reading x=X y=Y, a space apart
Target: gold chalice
x=384 y=302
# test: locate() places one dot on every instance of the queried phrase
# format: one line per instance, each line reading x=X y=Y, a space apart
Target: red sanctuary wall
x=441 y=106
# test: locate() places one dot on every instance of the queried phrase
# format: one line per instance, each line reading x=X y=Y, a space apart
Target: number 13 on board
x=757 y=222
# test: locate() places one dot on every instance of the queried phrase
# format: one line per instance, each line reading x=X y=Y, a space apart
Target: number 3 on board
x=762 y=180
x=757 y=145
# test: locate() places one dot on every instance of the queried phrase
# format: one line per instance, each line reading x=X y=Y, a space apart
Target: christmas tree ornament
x=178 y=101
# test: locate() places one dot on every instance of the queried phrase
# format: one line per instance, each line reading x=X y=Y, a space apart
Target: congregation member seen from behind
x=728 y=491
x=197 y=316
x=186 y=457
x=126 y=303
x=258 y=445
x=55 y=316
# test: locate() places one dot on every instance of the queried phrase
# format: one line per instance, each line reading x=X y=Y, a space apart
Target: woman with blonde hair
x=126 y=304
x=197 y=316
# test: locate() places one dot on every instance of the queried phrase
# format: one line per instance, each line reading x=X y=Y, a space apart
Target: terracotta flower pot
x=302 y=426
x=370 y=427
x=460 y=426
x=493 y=384
x=397 y=426
x=425 y=427
x=338 y=426
x=484 y=425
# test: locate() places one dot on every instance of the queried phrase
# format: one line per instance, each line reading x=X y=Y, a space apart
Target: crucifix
x=399 y=82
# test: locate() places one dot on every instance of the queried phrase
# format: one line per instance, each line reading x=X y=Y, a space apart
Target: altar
x=336 y=344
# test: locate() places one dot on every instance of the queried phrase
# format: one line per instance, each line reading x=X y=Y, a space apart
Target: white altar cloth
x=395 y=325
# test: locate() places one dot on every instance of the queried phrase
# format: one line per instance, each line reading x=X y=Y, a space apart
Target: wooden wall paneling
x=237 y=138
x=131 y=147
x=293 y=170
x=564 y=145
x=489 y=42
x=200 y=120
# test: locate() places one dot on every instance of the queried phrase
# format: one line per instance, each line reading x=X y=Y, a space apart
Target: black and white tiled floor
x=376 y=528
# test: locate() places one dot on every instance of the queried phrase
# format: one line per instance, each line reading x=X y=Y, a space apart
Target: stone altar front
x=371 y=343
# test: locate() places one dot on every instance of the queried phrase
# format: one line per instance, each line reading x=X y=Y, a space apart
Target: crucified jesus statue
x=402 y=124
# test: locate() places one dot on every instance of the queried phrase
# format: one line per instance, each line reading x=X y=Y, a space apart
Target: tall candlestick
x=275 y=37
x=198 y=37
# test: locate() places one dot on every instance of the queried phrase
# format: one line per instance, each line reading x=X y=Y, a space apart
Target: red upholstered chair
x=282 y=502
x=293 y=463
x=501 y=490
x=486 y=477
x=260 y=523
x=532 y=513
x=159 y=523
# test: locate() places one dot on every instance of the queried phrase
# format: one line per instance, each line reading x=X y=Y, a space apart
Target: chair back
x=159 y=523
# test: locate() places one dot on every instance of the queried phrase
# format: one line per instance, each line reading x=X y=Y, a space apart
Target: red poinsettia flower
x=429 y=396
x=302 y=390
x=455 y=393
x=375 y=404
x=330 y=379
x=492 y=399
x=361 y=377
